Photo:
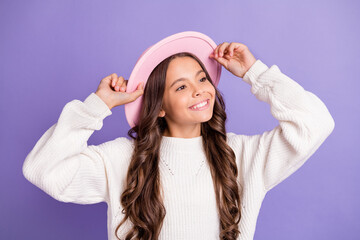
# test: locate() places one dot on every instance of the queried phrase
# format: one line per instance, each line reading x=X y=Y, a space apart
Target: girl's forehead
x=183 y=62
x=183 y=68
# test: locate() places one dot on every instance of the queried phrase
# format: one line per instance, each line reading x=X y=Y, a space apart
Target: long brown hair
x=142 y=200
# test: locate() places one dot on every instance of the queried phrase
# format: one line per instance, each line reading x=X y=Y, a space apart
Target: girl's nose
x=198 y=91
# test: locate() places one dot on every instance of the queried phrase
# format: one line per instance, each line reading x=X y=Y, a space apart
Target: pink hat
x=194 y=42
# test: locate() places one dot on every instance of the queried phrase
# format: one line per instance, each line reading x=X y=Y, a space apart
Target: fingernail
x=117 y=88
x=122 y=88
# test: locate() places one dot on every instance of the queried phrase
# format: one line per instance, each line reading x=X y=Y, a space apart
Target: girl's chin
x=205 y=119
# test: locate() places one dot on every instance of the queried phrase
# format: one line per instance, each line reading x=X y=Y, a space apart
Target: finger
x=119 y=82
x=240 y=47
x=220 y=60
x=123 y=86
x=222 y=48
x=231 y=48
x=227 y=57
x=106 y=80
x=216 y=50
x=113 y=78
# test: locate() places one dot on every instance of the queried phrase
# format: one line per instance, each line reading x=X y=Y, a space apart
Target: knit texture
x=65 y=167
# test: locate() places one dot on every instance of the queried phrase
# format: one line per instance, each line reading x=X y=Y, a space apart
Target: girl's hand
x=112 y=90
x=235 y=57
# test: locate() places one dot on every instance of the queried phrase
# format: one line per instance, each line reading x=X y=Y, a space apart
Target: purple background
x=52 y=52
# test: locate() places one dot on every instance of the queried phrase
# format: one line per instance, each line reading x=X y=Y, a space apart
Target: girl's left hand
x=235 y=57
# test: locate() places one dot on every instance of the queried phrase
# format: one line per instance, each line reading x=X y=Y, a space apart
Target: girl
x=181 y=175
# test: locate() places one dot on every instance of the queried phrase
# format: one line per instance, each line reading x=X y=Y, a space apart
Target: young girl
x=181 y=176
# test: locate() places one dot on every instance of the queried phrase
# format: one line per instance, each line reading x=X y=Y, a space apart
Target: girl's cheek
x=183 y=101
x=211 y=89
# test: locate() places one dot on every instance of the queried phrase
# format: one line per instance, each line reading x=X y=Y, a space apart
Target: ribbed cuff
x=254 y=72
x=97 y=105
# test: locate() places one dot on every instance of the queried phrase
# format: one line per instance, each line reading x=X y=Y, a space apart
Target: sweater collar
x=177 y=144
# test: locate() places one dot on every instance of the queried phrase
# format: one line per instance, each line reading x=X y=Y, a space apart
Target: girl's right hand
x=112 y=90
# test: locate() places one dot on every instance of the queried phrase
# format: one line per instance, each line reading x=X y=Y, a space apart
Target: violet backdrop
x=52 y=52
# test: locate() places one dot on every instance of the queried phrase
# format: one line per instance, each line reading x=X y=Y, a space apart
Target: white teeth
x=200 y=105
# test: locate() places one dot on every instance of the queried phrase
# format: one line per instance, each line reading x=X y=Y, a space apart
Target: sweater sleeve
x=62 y=164
x=304 y=124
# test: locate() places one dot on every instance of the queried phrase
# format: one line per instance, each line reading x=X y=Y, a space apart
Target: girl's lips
x=201 y=108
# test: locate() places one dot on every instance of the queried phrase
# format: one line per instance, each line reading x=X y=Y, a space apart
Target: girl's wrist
x=251 y=63
x=104 y=99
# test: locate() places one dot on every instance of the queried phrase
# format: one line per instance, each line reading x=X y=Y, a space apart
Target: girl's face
x=188 y=98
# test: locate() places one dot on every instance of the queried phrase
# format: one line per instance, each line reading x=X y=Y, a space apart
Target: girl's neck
x=193 y=144
x=183 y=133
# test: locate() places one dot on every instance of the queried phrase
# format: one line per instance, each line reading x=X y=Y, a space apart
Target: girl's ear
x=162 y=113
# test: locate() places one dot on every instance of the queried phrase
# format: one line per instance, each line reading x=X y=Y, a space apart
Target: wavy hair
x=142 y=199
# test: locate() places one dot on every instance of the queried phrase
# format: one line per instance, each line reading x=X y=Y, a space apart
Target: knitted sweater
x=65 y=167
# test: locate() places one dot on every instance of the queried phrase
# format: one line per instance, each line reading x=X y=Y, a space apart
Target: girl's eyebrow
x=182 y=79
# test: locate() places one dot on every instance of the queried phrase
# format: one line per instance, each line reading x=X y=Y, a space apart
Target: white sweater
x=65 y=167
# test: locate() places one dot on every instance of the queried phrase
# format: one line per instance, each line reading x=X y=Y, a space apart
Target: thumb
x=222 y=61
x=219 y=59
x=139 y=91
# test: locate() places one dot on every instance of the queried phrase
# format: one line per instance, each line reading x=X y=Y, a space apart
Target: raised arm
x=304 y=124
x=61 y=162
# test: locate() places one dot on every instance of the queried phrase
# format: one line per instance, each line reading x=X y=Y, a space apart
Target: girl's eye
x=183 y=86
x=180 y=88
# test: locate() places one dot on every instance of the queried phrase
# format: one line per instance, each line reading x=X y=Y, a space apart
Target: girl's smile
x=201 y=106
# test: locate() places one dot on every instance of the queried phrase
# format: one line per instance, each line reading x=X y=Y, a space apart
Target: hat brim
x=194 y=42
